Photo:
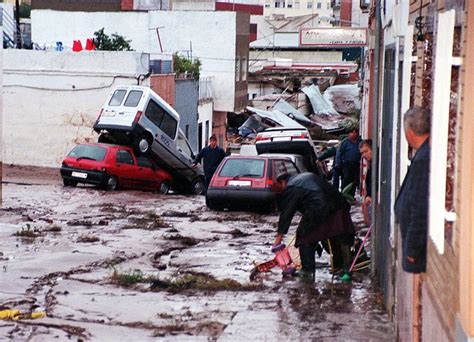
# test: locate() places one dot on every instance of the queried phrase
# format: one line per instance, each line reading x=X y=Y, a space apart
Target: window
x=145 y=162
x=168 y=125
x=290 y=167
x=297 y=4
x=267 y=5
x=133 y=98
x=117 y=98
x=328 y=6
x=237 y=69
x=161 y=119
x=184 y=146
x=277 y=4
x=88 y=152
x=244 y=69
x=318 y=5
x=309 y=5
x=243 y=167
x=186 y=131
x=124 y=157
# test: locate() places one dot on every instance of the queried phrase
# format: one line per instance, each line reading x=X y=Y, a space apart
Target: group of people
x=325 y=211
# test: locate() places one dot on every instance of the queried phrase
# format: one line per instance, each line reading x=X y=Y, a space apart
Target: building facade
x=422 y=55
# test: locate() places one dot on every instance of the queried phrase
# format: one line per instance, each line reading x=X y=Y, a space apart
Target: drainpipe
x=375 y=123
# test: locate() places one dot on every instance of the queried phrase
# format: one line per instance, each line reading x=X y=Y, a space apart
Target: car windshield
x=88 y=152
x=243 y=168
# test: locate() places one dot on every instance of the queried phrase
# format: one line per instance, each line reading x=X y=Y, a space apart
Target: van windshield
x=117 y=98
x=88 y=152
x=243 y=168
x=133 y=98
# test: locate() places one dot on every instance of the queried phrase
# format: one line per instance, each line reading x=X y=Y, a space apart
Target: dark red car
x=247 y=181
x=111 y=167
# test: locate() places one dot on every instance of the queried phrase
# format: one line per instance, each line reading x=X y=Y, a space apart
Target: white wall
x=212 y=36
x=205 y=111
x=52 y=99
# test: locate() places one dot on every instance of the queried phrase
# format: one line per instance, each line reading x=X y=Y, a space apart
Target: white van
x=136 y=116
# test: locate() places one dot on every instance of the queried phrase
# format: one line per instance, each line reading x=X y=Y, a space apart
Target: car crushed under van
x=138 y=117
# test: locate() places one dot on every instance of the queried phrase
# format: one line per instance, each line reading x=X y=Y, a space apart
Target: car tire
x=69 y=182
x=142 y=145
x=164 y=187
x=111 y=184
x=197 y=186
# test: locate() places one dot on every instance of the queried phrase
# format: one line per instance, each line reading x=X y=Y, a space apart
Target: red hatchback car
x=247 y=181
x=111 y=167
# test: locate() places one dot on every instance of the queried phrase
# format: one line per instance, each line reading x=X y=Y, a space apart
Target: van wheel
x=197 y=187
x=111 y=183
x=164 y=187
x=143 y=145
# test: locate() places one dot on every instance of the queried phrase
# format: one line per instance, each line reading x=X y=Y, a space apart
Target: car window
x=168 y=125
x=290 y=167
x=117 y=97
x=133 y=98
x=161 y=119
x=124 y=157
x=145 y=162
x=154 y=112
x=184 y=146
x=243 y=167
x=88 y=152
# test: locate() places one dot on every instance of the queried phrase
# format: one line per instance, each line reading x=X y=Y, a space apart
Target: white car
x=288 y=140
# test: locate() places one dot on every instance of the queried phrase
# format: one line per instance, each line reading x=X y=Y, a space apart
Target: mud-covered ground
x=131 y=265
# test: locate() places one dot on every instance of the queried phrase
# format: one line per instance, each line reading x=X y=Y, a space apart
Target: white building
x=218 y=39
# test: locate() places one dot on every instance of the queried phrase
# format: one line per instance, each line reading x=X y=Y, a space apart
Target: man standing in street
x=348 y=160
x=325 y=215
x=212 y=156
x=411 y=206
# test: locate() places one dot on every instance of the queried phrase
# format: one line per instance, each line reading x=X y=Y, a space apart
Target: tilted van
x=138 y=117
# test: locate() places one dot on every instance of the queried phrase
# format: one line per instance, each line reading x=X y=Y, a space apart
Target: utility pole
x=17 y=20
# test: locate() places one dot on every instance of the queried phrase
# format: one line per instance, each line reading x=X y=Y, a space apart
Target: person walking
x=212 y=156
x=348 y=160
x=411 y=205
x=325 y=215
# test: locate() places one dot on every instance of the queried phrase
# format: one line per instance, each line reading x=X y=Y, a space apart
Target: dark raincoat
x=324 y=209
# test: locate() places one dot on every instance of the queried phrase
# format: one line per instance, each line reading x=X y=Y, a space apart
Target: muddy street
x=132 y=265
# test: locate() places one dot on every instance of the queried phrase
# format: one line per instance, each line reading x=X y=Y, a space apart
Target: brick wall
x=165 y=86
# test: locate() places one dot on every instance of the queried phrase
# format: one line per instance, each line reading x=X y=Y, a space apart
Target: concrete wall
x=186 y=32
x=206 y=110
x=52 y=99
x=186 y=104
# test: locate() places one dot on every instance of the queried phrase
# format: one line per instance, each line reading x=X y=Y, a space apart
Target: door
x=383 y=248
x=147 y=177
x=125 y=169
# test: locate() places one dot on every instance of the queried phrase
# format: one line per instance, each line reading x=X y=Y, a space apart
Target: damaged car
x=111 y=167
x=138 y=117
x=247 y=182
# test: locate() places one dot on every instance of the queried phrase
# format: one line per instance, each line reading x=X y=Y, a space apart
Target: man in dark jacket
x=212 y=156
x=348 y=160
x=411 y=206
x=325 y=215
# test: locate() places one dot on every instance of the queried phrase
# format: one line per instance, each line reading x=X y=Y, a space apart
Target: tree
x=115 y=43
x=182 y=65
